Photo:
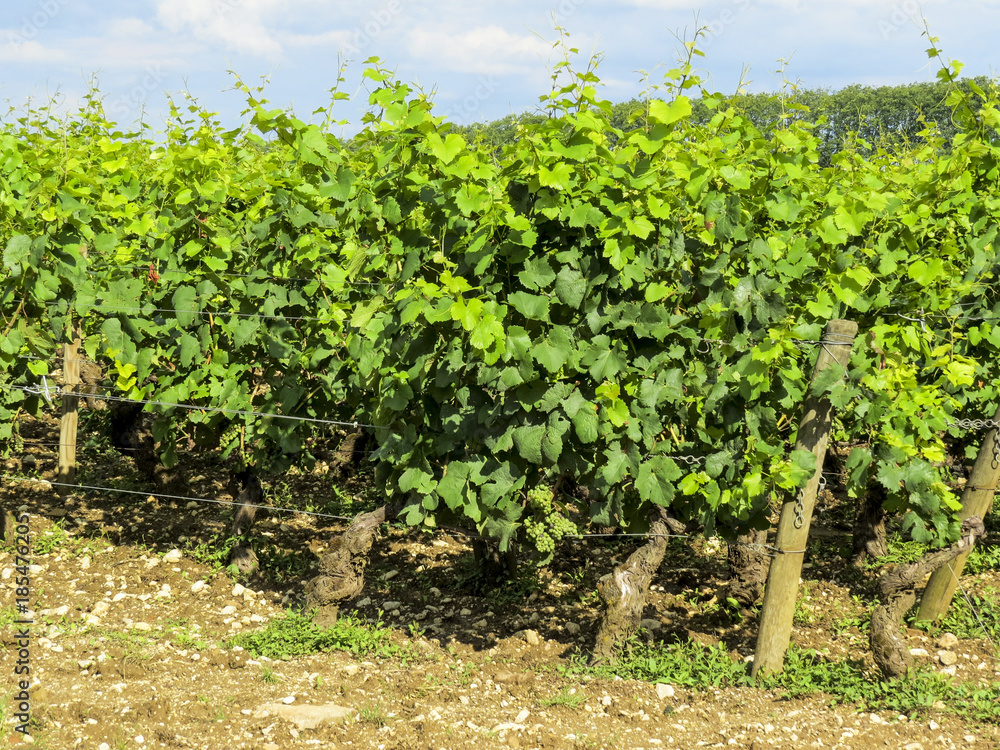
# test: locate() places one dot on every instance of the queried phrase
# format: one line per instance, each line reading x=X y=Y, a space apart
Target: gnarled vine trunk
x=869 y=526
x=342 y=568
x=749 y=562
x=493 y=567
x=897 y=591
x=623 y=593
x=246 y=490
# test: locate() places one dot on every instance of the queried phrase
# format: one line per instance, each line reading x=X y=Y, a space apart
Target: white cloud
x=484 y=49
x=332 y=39
x=129 y=28
x=16 y=51
x=243 y=26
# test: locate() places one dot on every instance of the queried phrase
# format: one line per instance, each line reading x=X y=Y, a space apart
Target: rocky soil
x=133 y=615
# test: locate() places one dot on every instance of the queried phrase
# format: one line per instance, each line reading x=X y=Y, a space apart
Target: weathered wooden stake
x=976 y=501
x=793 y=528
x=68 y=424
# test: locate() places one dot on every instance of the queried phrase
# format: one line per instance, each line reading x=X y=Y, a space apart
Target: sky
x=478 y=60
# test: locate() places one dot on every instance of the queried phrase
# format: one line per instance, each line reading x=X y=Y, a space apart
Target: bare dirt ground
x=132 y=620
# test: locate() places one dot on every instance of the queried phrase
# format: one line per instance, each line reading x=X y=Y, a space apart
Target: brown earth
x=132 y=617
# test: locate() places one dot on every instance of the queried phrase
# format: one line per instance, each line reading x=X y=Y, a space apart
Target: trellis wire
x=191 y=407
x=96 y=488
x=973 y=609
x=189 y=498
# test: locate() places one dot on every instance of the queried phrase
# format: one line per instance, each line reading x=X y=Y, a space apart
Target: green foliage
x=582 y=304
x=297 y=635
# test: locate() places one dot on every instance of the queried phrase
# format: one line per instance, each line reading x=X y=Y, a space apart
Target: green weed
x=568 y=697
x=268 y=675
x=806 y=673
x=971 y=616
x=297 y=635
x=373 y=714
x=983 y=558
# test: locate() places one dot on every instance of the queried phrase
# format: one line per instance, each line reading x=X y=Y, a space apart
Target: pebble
x=142 y=626
x=390 y=575
x=304 y=716
x=918 y=652
x=522 y=716
x=946 y=641
x=530 y=636
x=230 y=610
x=947 y=657
x=664 y=691
x=198 y=586
x=572 y=628
x=84 y=562
x=913 y=746
x=390 y=606
x=238 y=589
x=173 y=556
x=289 y=700
x=650 y=625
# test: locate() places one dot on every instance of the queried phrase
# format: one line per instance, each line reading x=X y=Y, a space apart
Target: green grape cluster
x=547 y=525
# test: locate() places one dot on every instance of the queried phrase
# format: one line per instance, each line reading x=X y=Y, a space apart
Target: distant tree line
x=890 y=117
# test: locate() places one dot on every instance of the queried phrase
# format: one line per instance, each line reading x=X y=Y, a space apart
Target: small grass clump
x=568 y=697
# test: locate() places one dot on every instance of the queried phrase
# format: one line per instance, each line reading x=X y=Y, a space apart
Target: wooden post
x=793 y=528
x=68 y=424
x=70 y=417
x=976 y=501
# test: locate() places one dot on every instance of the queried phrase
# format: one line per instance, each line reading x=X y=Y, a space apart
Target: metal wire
x=191 y=407
x=975 y=611
x=94 y=488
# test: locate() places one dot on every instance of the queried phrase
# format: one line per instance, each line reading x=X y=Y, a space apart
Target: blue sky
x=482 y=60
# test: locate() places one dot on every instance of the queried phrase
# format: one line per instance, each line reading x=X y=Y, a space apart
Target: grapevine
x=587 y=301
